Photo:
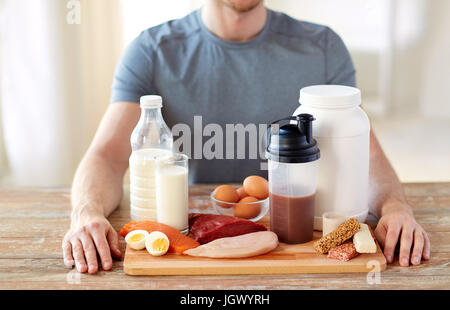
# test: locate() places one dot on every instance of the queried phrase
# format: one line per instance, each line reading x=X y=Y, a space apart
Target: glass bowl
x=252 y=211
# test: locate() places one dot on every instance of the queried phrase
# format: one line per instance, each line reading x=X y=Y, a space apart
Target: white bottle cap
x=151 y=101
x=330 y=96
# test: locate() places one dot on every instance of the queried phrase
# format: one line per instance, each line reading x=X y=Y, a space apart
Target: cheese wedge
x=363 y=240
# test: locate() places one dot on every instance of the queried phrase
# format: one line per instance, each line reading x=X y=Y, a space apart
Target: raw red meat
x=209 y=227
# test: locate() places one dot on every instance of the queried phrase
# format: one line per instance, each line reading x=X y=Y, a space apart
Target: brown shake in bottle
x=292 y=218
x=292 y=160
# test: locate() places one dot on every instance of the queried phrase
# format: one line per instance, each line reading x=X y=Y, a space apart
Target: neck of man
x=233 y=25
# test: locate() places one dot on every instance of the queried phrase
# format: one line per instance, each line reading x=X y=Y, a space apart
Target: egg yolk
x=136 y=238
x=160 y=244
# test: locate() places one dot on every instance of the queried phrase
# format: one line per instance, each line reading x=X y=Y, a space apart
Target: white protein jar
x=342 y=131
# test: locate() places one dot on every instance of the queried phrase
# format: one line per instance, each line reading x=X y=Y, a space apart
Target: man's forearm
x=96 y=189
x=386 y=192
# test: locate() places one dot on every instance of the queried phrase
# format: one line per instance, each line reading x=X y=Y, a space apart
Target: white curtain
x=55 y=84
x=55 y=78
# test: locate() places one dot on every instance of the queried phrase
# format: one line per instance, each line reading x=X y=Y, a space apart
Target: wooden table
x=34 y=220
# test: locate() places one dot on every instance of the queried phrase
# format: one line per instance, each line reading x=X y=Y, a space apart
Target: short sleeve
x=339 y=65
x=133 y=74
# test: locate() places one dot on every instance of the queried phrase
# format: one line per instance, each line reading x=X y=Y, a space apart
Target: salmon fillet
x=247 y=245
x=178 y=243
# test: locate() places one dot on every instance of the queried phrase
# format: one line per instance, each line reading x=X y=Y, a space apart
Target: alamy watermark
x=73 y=277
x=374 y=275
x=213 y=141
x=73 y=17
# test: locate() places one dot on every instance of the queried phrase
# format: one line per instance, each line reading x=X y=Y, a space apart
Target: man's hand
x=87 y=237
x=398 y=224
x=97 y=191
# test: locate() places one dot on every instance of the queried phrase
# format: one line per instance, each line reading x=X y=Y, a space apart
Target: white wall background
x=55 y=77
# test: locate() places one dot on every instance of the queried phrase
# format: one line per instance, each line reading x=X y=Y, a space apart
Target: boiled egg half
x=136 y=239
x=157 y=243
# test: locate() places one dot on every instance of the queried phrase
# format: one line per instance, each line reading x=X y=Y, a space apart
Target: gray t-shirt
x=223 y=82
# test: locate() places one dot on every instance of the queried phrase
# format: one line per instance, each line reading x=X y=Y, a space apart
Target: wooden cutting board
x=287 y=258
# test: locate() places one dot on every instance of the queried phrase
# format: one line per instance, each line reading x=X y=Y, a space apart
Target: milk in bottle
x=151 y=140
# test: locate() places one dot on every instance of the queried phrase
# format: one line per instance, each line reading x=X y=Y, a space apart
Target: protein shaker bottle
x=292 y=155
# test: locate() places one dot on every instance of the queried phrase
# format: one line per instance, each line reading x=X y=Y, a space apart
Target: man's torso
x=221 y=82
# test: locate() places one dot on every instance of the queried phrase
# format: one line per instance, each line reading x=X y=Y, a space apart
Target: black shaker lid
x=292 y=143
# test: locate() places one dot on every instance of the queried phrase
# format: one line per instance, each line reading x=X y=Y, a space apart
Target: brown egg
x=245 y=210
x=256 y=186
x=226 y=193
x=241 y=192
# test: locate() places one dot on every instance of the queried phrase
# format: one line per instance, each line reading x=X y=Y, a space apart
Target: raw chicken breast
x=247 y=245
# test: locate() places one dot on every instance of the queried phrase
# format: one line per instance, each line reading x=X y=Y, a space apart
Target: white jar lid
x=151 y=101
x=330 y=96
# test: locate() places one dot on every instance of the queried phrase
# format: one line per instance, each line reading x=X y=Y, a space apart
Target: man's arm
x=397 y=222
x=97 y=191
